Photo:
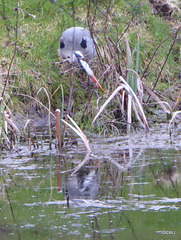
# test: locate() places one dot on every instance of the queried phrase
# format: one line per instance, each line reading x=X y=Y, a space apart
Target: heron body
x=77 y=39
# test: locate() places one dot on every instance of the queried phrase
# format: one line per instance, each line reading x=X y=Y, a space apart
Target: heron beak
x=98 y=84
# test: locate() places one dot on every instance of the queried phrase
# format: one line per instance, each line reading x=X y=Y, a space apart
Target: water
x=129 y=188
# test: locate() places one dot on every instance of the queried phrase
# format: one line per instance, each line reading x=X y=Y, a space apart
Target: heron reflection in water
x=84 y=184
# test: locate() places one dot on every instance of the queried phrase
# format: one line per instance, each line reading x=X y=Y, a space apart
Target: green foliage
x=41 y=23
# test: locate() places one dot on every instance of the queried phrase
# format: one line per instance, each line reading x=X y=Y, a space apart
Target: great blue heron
x=77 y=47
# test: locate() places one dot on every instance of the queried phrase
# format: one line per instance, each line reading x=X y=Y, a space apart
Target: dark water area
x=129 y=187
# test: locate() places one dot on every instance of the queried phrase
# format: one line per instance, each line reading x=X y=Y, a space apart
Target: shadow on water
x=119 y=191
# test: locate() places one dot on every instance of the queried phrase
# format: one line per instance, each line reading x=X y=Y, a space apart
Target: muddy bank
x=40 y=118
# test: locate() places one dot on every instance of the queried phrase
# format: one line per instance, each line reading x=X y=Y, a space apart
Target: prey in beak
x=86 y=68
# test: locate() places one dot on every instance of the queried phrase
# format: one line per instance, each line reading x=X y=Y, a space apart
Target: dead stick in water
x=59 y=174
x=11 y=207
x=58 y=132
x=69 y=104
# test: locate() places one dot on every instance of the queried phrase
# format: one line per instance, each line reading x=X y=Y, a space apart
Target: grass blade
x=107 y=102
x=137 y=67
x=138 y=103
x=173 y=117
x=129 y=113
x=124 y=85
x=79 y=132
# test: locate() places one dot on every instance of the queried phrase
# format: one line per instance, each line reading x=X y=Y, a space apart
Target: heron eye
x=83 y=43
x=62 y=44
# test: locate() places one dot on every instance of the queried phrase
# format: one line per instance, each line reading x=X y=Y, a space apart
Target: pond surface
x=128 y=188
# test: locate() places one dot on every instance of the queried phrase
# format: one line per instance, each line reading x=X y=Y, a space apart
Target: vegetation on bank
x=30 y=34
